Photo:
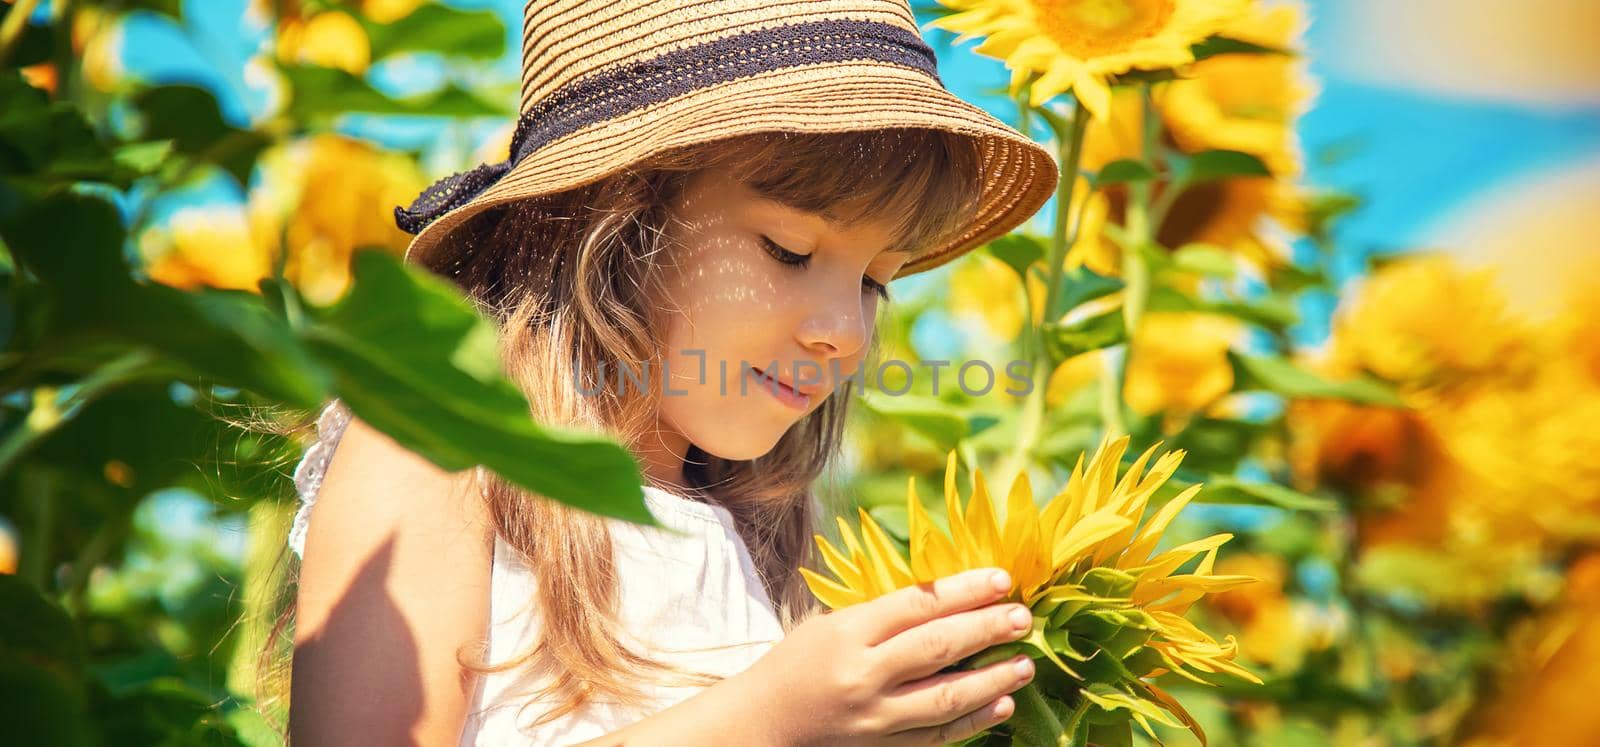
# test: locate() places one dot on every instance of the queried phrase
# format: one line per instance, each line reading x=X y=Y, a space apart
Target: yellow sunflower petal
x=887 y=563
x=983 y=525
x=847 y=572
x=1150 y=536
x=933 y=555
x=1083 y=537
x=830 y=592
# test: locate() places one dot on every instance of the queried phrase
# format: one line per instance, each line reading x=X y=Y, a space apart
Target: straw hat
x=606 y=83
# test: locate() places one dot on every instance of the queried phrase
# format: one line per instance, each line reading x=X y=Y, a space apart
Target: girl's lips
x=779 y=390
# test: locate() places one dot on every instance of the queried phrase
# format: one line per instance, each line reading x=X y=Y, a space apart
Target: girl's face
x=758 y=286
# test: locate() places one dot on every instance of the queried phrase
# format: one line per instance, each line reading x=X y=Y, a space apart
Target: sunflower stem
x=1138 y=236
x=1034 y=722
x=1069 y=144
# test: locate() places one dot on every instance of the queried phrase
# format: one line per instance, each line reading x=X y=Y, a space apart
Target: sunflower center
x=1095 y=28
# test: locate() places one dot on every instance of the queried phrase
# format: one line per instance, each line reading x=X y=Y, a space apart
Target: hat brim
x=1018 y=174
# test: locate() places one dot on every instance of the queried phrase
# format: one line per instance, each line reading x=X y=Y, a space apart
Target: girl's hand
x=869 y=674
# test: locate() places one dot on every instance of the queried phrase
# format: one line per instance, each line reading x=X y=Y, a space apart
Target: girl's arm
x=395 y=579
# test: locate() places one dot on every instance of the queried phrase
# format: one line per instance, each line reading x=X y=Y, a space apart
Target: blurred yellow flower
x=325 y=197
x=1077 y=45
x=1544 y=694
x=1356 y=447
x=206 y=246
x=97 y=38
x=1178 y=362
x=1252 y=217
x=987 y=290
x=1530 y=450
x=1073 y=374
x=1247 y=215
x=389 y=11
x=329 y=39
x=1090 y=247
x=1424 y=321
x=1245 y=102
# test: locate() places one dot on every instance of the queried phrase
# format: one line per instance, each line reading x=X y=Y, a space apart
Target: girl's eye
x=876 y=287
x=801 y=260
x=784 y=255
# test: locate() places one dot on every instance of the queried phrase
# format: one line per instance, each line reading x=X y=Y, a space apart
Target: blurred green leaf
x=894 y=519
x=1081 y=285
x=476 y=34
x=322 y=94
x=1277 y=374
x=1093 y=333
x=1226 y=489
x=230 y=336
x=1123 y=171
x=1204 y=259
x=47 y=143
x=1218 y=44
x=190 y=117
x=1018 y=250
x=933 y=418
x=43 y=697
x=1215 y=165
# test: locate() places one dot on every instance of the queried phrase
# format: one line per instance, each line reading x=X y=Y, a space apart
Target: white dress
x=692 y=599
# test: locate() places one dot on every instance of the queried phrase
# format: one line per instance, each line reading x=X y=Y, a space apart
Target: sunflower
x=1078 y=45
x=1102 y=597
x=1244 y=101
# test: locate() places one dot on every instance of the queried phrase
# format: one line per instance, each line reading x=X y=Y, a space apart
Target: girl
x=720 y=190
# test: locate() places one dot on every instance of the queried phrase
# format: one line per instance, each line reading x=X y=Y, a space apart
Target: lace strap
x=308 y=473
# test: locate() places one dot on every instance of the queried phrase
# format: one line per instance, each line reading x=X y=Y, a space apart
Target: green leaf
x=1081 y=285
x=97 y=313
x=478 y=34
x=1111 y=735
x=1277 y=374
x=1204 y=259
x=1018 y=250
x=936 y=419
x=1141 y=77
x=1218 y=44
x=321 y=94
x=399 y=345
x=1230 y=490
x=144 y=158
x=894 y=519
x=190 y=117
x=1123 y=171
x=1094 y=333
x=49 y=143
x=1214 y=165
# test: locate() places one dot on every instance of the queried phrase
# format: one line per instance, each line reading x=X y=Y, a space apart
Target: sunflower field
x=1309 y=455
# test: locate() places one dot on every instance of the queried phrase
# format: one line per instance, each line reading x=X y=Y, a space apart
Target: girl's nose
x=835 y=328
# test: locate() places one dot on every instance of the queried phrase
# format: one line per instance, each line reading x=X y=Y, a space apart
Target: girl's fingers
x=882 y=618
x=969 y=724
x=940 y=699
x=934 y=645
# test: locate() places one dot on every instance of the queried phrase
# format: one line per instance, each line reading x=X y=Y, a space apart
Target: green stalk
x=1034 y=724
x=1138 y=235
x=1069 y=144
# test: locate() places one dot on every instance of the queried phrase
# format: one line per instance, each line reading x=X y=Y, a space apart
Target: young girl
x=639 y=221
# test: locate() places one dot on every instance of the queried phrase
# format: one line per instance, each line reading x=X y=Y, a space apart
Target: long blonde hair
x=574 y=279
